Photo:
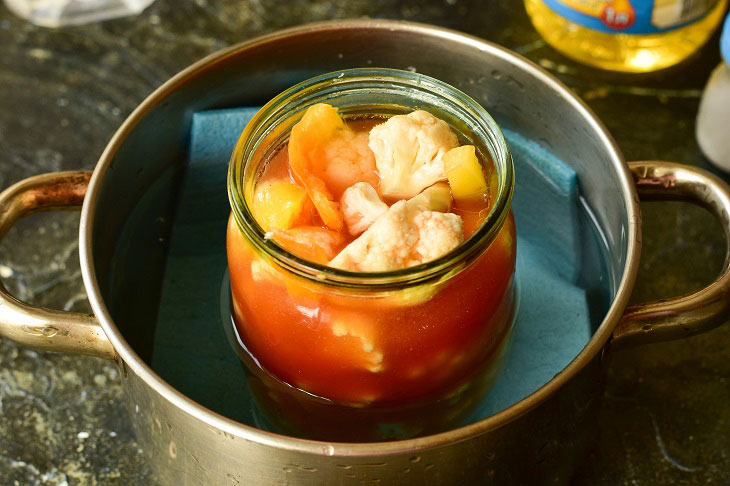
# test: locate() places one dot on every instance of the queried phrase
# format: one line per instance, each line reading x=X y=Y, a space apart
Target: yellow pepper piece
x=434 y=198
x=279 y=205
x=464 y=173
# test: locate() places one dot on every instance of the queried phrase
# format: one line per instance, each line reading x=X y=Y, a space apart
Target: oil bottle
x=626 y=35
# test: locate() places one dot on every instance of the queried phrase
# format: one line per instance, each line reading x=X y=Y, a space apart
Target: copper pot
x=531 y=441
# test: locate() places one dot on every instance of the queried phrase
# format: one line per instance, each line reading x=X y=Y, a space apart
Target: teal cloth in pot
x=191 y=350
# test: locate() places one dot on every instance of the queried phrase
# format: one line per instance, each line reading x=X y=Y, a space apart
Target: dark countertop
x=64 y=92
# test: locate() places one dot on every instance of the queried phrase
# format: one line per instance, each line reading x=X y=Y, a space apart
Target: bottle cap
x=725 y=41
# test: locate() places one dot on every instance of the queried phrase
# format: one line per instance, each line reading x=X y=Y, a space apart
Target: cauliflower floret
x=407 y=234
x=347 y=159
x=361 y=206
x=439 y=234
x=386 y=245
x=364 y=354
x=408 y=152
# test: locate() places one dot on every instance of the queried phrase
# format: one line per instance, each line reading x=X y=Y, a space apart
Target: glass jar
x=351 y=356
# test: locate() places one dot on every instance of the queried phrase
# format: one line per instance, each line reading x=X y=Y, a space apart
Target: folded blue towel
x=192 y=353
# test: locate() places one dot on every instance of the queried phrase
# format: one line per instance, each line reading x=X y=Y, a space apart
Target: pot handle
x=693 y=313
x=37 y=327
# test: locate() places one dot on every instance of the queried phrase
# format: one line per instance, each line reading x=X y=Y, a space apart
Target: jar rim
x=417 y=274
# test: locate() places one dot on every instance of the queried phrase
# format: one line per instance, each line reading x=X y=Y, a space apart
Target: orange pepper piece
x=307 y=141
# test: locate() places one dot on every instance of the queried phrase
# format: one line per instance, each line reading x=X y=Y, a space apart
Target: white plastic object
x=58 y=13
x=713 y=116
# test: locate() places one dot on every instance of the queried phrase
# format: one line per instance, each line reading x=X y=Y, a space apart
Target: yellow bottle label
x=631 y=16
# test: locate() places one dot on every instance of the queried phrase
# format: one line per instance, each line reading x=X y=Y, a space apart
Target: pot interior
x=137 y=202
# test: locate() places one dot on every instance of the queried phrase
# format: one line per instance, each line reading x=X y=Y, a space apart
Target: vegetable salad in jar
x=371 y=251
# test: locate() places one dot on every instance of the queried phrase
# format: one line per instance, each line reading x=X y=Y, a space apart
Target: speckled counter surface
x=64 y=92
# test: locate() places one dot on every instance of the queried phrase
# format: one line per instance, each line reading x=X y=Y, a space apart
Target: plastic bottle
x=713 y=117
x=626 y=35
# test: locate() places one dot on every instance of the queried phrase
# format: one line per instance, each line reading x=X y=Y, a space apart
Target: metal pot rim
x=136 y=365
